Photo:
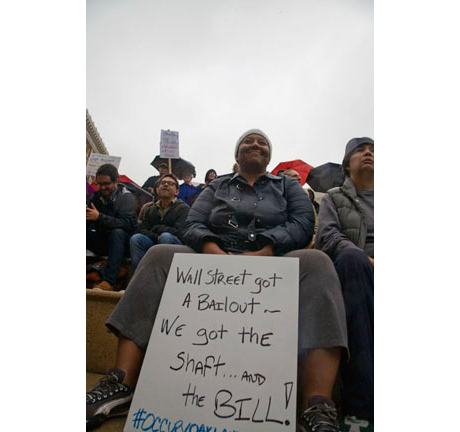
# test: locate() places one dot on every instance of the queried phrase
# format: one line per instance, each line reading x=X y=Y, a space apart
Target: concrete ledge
x=101 y=346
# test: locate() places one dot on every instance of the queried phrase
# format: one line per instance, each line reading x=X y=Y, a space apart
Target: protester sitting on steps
x=110 y=221
x=161 y=222
x=346 y=234
x=248 y=213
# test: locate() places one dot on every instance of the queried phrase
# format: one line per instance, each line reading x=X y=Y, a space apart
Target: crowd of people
x=250 y=212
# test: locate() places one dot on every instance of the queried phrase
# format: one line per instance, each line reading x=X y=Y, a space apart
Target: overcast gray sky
x=302 y=71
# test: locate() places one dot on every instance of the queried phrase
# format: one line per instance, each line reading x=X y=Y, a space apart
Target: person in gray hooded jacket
x=346 y=234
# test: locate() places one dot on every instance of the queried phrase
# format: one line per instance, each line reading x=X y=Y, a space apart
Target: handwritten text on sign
x=97 y=159
x=169 y=144
x=223 y=351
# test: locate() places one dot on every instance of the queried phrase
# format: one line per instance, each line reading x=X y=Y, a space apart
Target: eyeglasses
x=104 y=184
x=166 y=182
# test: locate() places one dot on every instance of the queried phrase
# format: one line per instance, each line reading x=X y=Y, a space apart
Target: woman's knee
x=317 y=273
x=314 y=261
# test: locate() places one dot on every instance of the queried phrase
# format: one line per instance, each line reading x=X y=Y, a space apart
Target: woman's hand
x=265 y=251
x=210 y=247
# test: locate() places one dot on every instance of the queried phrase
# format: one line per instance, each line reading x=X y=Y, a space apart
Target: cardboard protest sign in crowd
x=223 y=351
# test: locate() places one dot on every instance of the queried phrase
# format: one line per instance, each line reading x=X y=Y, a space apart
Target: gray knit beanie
x=249 y=132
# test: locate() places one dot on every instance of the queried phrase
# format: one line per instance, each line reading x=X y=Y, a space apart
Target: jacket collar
x=266 y=175
x=171 y=204
x=348 y=188
x=113 y=196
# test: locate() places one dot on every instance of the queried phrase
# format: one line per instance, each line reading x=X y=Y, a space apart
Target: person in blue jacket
x=187 y=190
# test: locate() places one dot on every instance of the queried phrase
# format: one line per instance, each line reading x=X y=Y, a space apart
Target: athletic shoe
x=321 y=416
x=109 y=398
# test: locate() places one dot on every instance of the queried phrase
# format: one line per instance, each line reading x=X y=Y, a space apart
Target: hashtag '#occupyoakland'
x=139 y=417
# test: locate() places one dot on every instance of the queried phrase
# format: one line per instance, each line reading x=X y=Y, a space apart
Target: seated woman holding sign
x=248 y=213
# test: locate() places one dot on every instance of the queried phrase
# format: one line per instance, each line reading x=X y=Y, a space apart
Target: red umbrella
x=299 y=165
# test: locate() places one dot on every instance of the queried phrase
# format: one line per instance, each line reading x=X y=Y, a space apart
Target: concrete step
x=101 y=346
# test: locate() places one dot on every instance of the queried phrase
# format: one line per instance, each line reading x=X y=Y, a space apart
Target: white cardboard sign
x=169 y=144
x=97 y=159
x=222 y=356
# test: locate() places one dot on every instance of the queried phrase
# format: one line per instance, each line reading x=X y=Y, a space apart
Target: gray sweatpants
x=322 y=321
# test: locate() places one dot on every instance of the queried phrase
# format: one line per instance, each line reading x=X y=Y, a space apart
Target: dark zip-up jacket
x=240 y=217
x=119 y=211
x=153 y=224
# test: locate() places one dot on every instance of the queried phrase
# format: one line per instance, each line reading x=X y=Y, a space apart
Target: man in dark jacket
x=162 y=221
x=111 y=219
x=151 y=182
x=346 y=234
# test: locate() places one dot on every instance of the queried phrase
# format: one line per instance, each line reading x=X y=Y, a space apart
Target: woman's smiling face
x=253 y=152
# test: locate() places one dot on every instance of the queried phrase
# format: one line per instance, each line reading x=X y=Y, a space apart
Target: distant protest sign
x=98 y=159
x=222 y=356
x=169 y=144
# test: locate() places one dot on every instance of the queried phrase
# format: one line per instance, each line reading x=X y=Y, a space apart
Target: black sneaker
x=321 y=416
x=109 y=398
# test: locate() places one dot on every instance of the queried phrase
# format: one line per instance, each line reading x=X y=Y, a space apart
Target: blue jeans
x=114 y=244
x=356 y=276
x=140 y=244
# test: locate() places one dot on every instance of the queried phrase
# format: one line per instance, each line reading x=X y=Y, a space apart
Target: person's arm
x=297 y=231
x=143 y=210
x=145 y=225
x=196 y=231
x=267 y=250
x=126 y=214
x=210 y=247
x=329 y=237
